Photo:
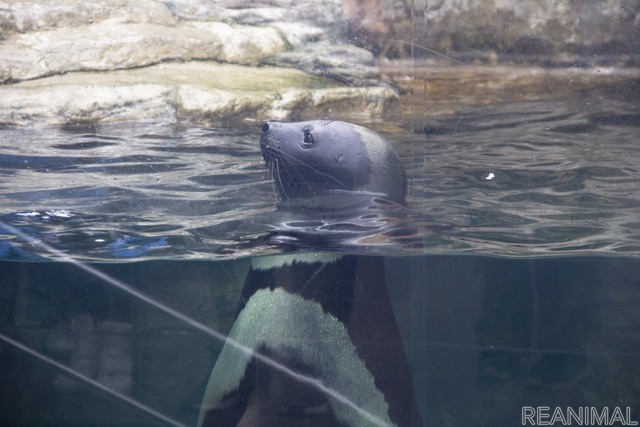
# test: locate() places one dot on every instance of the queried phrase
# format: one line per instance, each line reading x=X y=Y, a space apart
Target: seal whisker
x=270 y=174
x=273 y=165
x=273 y=171
x=319 y=172
x=283 y=191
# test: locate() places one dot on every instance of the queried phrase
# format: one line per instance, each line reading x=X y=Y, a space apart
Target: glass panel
x=329 y=213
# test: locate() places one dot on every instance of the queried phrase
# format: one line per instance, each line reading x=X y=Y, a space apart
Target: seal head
x=331 y=157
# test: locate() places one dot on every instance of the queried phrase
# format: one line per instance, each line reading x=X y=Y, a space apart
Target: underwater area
x=130 y=229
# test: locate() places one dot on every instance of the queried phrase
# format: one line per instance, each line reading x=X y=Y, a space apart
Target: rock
x=342 y=62
x=67 y=102
x=534 y=26
x=111 y=46
x=44 y=38
x=350 y=103
x=313 y=30
x=241 y=44
x=327 y=14
x=298 y=35
x=196 y=92
x=25 y=16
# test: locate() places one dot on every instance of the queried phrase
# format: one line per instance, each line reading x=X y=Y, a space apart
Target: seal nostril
x=265 y=127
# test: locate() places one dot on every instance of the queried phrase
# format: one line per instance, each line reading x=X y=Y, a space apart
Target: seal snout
x=268 y=127
x=268 y=146
x=267 y=140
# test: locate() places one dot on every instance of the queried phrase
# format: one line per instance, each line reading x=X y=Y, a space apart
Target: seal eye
x=307 y=139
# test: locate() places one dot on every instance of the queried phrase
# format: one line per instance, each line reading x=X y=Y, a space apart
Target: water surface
x=539 y=178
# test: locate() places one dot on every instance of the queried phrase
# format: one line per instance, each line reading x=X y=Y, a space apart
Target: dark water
x=513 y=270
x=485 y=336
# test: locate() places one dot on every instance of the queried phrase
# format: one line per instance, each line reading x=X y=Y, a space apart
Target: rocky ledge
x=102 y=61
x=205 y=92
x=71 y=61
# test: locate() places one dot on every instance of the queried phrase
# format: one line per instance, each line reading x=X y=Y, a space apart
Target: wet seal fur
x=324 y=318
x=313 y=158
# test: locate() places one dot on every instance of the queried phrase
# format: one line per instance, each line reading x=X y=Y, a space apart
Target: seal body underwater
x=315 y=341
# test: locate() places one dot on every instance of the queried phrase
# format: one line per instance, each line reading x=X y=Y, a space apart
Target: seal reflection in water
x=315 y=341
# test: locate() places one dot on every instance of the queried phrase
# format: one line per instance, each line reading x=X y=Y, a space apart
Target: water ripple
x=530 y=179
